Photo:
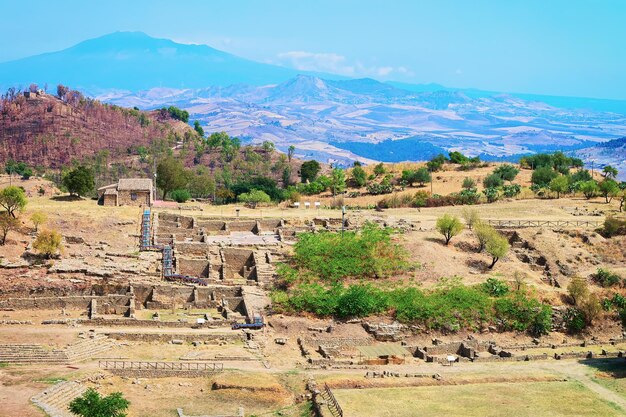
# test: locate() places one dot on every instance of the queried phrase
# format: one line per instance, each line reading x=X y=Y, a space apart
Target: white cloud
x=336 y=64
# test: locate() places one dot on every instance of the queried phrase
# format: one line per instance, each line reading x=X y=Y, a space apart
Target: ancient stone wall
x=125 y=198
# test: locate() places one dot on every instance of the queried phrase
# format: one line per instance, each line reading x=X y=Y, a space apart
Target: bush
x=368 y=253
x=48 y=243
x=497 y=246
x=495 y=287
x=384 y=187
x=449 y=226
x=493 y=181
x=607 y=278
x=492 y=194
x=520 y=311
x=613 y=226
x=589 y=189
x=511 y=190
x=469 y=183
x=180 y=196
x=483 y=233
x=574 y=320
x=507 y=172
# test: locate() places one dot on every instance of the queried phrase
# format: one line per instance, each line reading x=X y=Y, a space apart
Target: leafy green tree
x=589 y=189
x=609 y=189
x=457 y=158
x=469 y=183
x=422 y=176
x=92 y=404
x=497 y=246
x=609 y=172
x=291 y=150
x=543 y=175
x=358 y=176
x=254 y=197
x=20 y=168
x=180 y=196
x=507 y=172
x=79 y=181
x=580 y=176
x=337 y=181
x=309 y=170
x=198 y=128
x=379 y=169
x=436 y=163
x=449 y=226
x=268 y=146
x=493 y=181
x=7 y=224
x=13 y=199
x=559 y=185
x=48 y=243
x=201 y=183
x=171 y=175
x=178 y=114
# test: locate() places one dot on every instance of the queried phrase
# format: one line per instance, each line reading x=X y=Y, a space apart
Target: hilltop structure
x=127 y=192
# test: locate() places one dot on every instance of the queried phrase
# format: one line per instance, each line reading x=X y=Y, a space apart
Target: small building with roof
x=127 y=192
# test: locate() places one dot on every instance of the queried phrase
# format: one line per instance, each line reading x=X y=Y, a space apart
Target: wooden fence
x=333 y=404
x=169 y=366
x=544 y=223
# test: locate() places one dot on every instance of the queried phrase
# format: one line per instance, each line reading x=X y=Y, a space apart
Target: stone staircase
x=76 y=352
x=31 y=353
x=55 y=400
x=88 y=348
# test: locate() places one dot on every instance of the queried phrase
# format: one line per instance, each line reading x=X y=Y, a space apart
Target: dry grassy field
x=522 y=399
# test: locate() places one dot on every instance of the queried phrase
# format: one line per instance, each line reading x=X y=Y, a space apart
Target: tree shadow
x=613 y=367
x=66 y=198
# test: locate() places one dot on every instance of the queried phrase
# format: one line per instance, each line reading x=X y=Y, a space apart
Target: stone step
x=55 y=400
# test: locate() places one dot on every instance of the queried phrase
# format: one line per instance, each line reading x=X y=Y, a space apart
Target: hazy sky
x=559 y=47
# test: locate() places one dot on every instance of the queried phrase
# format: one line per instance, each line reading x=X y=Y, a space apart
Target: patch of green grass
x=51 y=379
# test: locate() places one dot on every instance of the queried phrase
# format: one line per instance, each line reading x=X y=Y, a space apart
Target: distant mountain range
x=325 y=116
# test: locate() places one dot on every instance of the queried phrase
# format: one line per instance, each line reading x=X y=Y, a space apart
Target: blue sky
x=557 y=47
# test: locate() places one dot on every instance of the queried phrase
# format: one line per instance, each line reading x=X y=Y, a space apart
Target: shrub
x=574 y=320
x=38 y=218
x=493 y=181
x=358 y=177
x=613 y=226
x=495 y=287
x=180 y=196
x=467 y=197
x=507 y=172
x=384 y=187
x=360 y=301
x=449 y=226
x=522 y=312
x=492 y=194
x=471 y=217
x=91 y=404
x=469 y=183
x=607 y=278
x=48 y=243
x=511 y=190
x=421 y=198
x=367 y=253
